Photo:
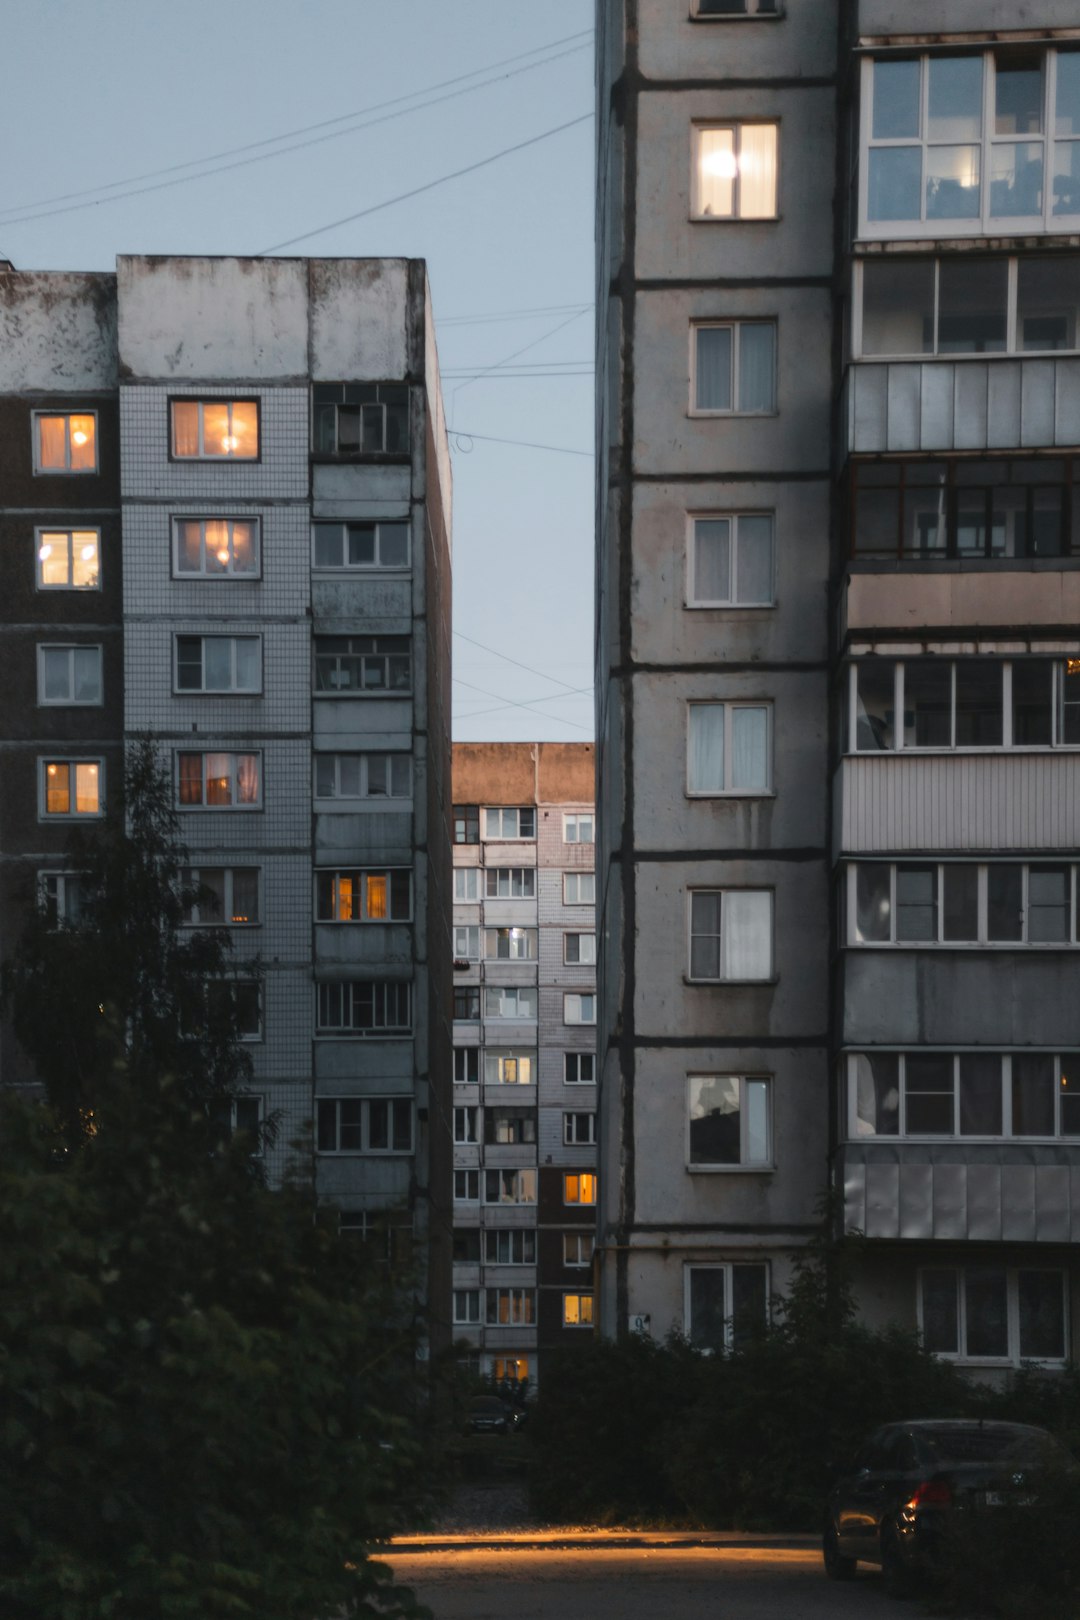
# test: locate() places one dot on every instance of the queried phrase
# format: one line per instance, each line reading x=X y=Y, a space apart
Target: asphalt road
x=640 y=1583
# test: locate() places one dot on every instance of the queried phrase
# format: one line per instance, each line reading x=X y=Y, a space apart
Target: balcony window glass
x=1004 y=901
x=954 y=100
x=940 y=1313
x=1032 y=1094
x=1069 y=723
x=1049 y=909
x=877 y=1094
x=1041 y=1307
x=927 y=704
x=986 y=1311
x=1032 y=703
x=873 y=905
x=960 y=901
x=973 y=303
x=978 y=703
x=875 y=707
x=896 y=100
x=916 y=902
x=898 y=307
x=928 y=1094
x=980 y=1094
x=1047 y=299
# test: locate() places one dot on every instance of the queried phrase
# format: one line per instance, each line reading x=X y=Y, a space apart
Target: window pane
x=1049 y=904
x=52 y=442
x=1069 y=1095
x=87 y=675
x=1004 y=901
x=55 y=674
x=217 y=656
x=757 y=366
x=895 y=179
x=961 y=902
x=712 y=560
x=872 y=901
x=972 y=300
x=928 y=1095
x=746 y=942
x=896 y=100
x=1047 y=297
x=954 y=107
x=87 y=802
x=757 y=171
x=747 y=1302
x=245 y=429
x=705 y=912
x=245 y=895
x=985 y=1311
x=716 y=171
x=940 y=1318
x=877 y=517
x=1016 y=179
x=916 y=902
x=83 y=443
x=927 y=703
x=756 y=1102
x=706 y=744
x=749 y=749
x=707 y=1307
x=328 y=545
x=714 y=1119
x=753 y=560
x=952 y=182
x=57 y=789
x=247 y=663
x=244 y=560
x=361 y=545
x=875 y=706
x=1069 y=731
x=393 y=544
x=1008 y=522
x=1066 y=178
x=924 y=530
x=978 y=703
x=713 y=369
x=84 y=554
x=980 y=1095
x=898 y=307
x=1018 y=93
x=1041 y=1300
x=1032 y=702
x=1032 y=1094
x=1067 y=108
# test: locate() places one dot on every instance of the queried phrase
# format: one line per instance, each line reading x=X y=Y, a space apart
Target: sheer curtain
x=706 y=762
x=715 y=173
x=757 y=366
x=713 y=387
x=754 y=560
x=746 y=942
x=750 y=748
x=757 y=171
x=247 y=778
x=712 y=560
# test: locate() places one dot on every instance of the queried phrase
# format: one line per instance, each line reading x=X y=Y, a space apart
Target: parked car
x=891 y=1506
x=489 y=1415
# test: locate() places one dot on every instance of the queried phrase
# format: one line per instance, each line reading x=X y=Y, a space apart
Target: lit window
x=354 y=897
x=579 y=1130
x=351 y=419
x=364 y=1125
x=733 y=368
x=466 y=1065
x=734 y=171
x=60 y=898
x=218 y=664
x=579 y=1068
x=579 y=1188
x=348 y=665
x=728 y=1121
x=68 y=559
x=579 y=1009
x=503 y=1001
x=361 y=545
x=219 y=781
x=510 y=1307
x=510 y=1369
x=579 y=829
x=510 y=1186
x=363 y=776
x=511 y=1066
x=577 y=1310
x=731 y=935
x=579 y=950
x=503 y=823
x=727 y=748
x=216 y=548
x=72 y=787
x=509 y=1246
x=65 y=442
x=730 y=562
x=725 y=1304
x=69 y=675
x=215 y=429
x=579 y=888
x=993 y=1313
x=510 y=944
x=222 y=895
x=364 y=1007
x=577 y=1248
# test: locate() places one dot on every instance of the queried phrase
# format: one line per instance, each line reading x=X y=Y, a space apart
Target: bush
x=1022 y=1563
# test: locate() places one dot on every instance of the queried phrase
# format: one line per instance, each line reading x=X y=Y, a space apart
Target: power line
x=529 y=668
x=525 y=444
x=417 y=191
x=512 y=703
x=497 y=365
x=30 y=212
x=509 y=315
x=517 y=374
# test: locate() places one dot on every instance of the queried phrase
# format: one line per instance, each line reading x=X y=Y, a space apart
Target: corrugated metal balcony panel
x=932 y=405
x=969 y=802
x=983 y=1203
x=916 y=1200
x=882 y=1200
x=956 y=1191
x=1052 y=1213
x=1018 y=1203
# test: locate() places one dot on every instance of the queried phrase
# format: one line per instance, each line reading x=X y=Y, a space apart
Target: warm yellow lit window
x=577 y=1310
x=376 y=897
x=345 y=909
x=510 y=1369
x=215 y=429
x=735 y=171
x=579 y=1189
x=72 y=787
x=68 y=559
x=65 y=443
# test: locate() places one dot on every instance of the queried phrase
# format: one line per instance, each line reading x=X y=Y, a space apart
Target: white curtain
x=712 y=560
x=750 y=749
x=715 y=173
x=757 y=171
x=757 y=366
x=713 y=390
x=746 y=941
x=754 y=560
x=706 y=743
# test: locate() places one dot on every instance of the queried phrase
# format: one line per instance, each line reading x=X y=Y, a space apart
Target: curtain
x=746 y=940
x=52 y=442
x=706 y=763
x=87 y=797
x=247 y=778
x=754 y=560
x=750 y=749
x=185 y=423
x=712 y=560
x=715 y=173
x=757 y=366
x=757 y=171
x=191 y=780
x=713 y=380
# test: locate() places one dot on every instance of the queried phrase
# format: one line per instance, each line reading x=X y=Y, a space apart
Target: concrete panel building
x=226 y=505
x=839 y=662
x=524 y=1053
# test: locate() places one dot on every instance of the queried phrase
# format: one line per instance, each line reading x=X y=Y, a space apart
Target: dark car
x=489 y=1415
x=891 y=1506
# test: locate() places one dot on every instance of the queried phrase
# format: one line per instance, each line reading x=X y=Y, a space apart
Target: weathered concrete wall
x=57 y=331
x=227 y=319
x=358 y=319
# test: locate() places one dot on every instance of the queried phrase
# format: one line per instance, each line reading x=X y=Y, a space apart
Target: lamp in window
x=46 y=552
x=78 y=436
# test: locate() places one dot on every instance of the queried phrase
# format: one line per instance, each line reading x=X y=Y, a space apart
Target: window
x=510 y=883
x=218 y=664
x=363 y=776
x=509 y=1127
x=579 y=1009
x=219 y=781
x=578 y=1129
x=579 y=888
x=993 y=1313
x=501 y=823
x=466 y=1186
x=467 y=1002
x=346 y=665
x=954 y=306
x=466 y=824
x=728 y=1122
x=968 y=509
x=579 y=950
x=510 y=1307
x=245 y=1117
x=579 y=1188
x=466 y=945
x=964 y=142
x=69 y=675
x=577 y=1310
x=510 y=944
x=350 y=419
x=579 y=829
x=972 y=703
x=725 y=1304
x=222 y=894
x=60 y=897
x=999 y=1095
x=509 y=1246
x=364 y=1007
x=241 y=1000
x=509 y=1369
x=65 y=442
x=361 y=545
x=466 y=1306
x=72 y=787
x=579 y=1068
x=730 y=560
x=364 y=896
x=466 y=1247
x=577 y=1248
x=727 y=748
x=961 y=902
x=365 y=1125
x=501 y=1001
x=731 y=934
x=68 y=559
x=466 y=1065
x=510 y=1186
x=724 y=9
x=466 y=884
x=215 y=429
x=733 y=368
x=216 y=548
x=510 y=1066
x=466 y=1124
x=734 y=171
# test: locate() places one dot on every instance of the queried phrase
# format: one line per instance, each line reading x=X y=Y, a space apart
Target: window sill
x=729 y=607
x=972 y=946
x=730 y=1169
x=359 y=458
x=726 y=984
x=733 y=219
x=723 y=416
x=733 y=793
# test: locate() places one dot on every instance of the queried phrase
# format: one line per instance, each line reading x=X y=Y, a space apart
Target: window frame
x=517 y=991
x=574 y=880
x=981 y=939
x=691 y=977
x=466 y=1176
x=470 y=1060
x=504 y=810
x=727 y=1266
x=577 y=1185
x=744 y=1165
x=464 y=818
x=362 y=756
x=217 y=691
x=55 y=532
x=520 y=882
x=229 y=572
x=1059 y=663
x=72 y=762
x=201 y=401
x=696 y=603
x=359 y=877
x=572 y=1242
x=736 y=125
x=730 y=707
x=70 y=648
x=734 y=325
x=324 y=658
x=58 y=903
x=1013 y=347
x=378 y=566
x=572 y=1124
x=572 y=820
x=519 y=1238
x=384 y=1030
x=393 y=1104
x=376 y=404
x=578 y=1311
x=236 y=983
x=521 y=1173
x=1059 y=1060
x=576 y=1060
x=67 y=471
x=498 y=1056
x=581 y=997
x=193 y=878
x=235 y=806
x=1014 y=1356
x=462 y=875
x=516 y=934
x=586 y=960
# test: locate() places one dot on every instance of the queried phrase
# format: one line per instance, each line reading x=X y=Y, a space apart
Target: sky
x=123 y=106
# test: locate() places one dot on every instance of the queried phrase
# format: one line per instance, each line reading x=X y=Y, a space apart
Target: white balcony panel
x=919 y=407
x=957 y=1192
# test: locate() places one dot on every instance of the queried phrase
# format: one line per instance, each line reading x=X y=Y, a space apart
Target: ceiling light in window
x=45 y=553
x=720 y=162
x=78 y=436
x=229 y=442
x=222 y=555
x=86 y=553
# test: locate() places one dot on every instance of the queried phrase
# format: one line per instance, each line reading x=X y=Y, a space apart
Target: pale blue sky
x=107 y=91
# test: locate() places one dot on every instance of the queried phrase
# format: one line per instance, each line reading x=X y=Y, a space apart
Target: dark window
x=467 y=1002
x=351 y=419
x=466 y=824
x=966 y=509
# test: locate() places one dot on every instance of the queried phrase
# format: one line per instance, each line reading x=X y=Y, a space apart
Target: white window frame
x=727 y=1267
x=67 y=471
x=467 y=1312
x=363 y=770
x=48 y=533
x=572 y=1125
x=574 y=1244
x=527 y=939
x=235 y=1104
x=53 y=894
x=234 y=689
x=469 y=1180
x=227 y=571
x=520 y=1307
x=505 y=992
x=577 y=1005
x=1060 y=1062
x=466 y=942
x=229 y=452
x=580 y=1181
x=378 y=566
x=520 y=1246
x=982 y=939
x=758 y=705
x=734 y=600
x=393 y=1104
x=1058 y=661
x=576 y=1060
x=575 y=823
x=468 y=1128
x=574 y=881
x=1013 y=1356
x=736 y=126
x=586 y=949
x=69 y=701
x=391 y=876
x=244 y=982
x=469 y=1059
x=73 y=764
x=578 y=1311
x=466 y=886
x=502 y=811
x=734 y=325
x=744 y=1165
x=386 y=991
x=522 y=1185
x=235 y=805
x=522 y=1057
x=1013 y=345
x=510 y=883
x=722 y=978
x=193 y=878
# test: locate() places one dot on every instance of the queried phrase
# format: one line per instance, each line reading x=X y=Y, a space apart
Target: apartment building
x=839 y=662
x=226 y=510
x=524 y=1053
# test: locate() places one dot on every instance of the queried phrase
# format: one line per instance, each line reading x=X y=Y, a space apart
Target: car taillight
x=931 y=1493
